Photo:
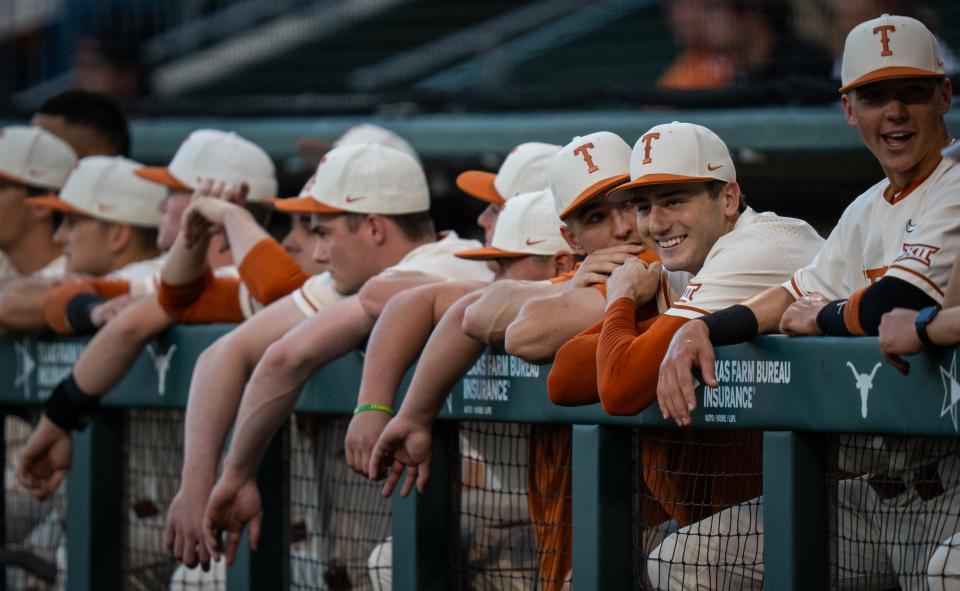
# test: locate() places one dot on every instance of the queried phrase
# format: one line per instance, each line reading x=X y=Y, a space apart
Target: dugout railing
x=796 y=390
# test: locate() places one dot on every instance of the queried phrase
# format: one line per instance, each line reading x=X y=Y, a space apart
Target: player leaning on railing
x=893 y=247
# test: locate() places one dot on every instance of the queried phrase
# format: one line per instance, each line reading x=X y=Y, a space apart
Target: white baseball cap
x=221 y=156
x=527 y=225
x=35 y=157
x=526 y=168
x=588 y=166
x=677 y=153
x=368 y=133
x=108 y=189
x=889 y=47
x=363 y=178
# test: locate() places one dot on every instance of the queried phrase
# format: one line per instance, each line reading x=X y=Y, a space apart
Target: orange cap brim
x=489 y=253
x=479 y=184
x=305 y=205
x=55 y=203
x=597 y=188
x=161 y=175
x=656 y=179
x=891 y=73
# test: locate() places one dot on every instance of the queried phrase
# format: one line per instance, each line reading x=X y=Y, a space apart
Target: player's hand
x=598 y=265
x=634 y=279
x=183 y=533
x=801 y=317
x=362 y=434
x=107 y=311
x=45 y=460
x=404 y=444
x=689 y=350
x=234 y=502
x=208 y=209
x=898 y=336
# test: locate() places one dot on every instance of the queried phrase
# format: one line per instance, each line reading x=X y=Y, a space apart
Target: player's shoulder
x=770 y=228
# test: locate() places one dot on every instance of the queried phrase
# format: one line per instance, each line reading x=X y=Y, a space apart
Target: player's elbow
x=618 y=397
x=373 y=296
x=557 y=389
x=281 y=358
x=477 y=323
x=528 y=340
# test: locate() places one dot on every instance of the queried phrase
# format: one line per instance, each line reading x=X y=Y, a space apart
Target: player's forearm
x=944 y=330
x=215 y=391
x=185 y=264
x=397 y=338
x=243 y=232
x=21 y=305
x=110 y=354
x=768 y=306
x=448 y=355
x=543 y=325
x=489 y=317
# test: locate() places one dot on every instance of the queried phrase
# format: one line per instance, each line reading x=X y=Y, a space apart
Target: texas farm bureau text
x=738 y=379
x=489 y=380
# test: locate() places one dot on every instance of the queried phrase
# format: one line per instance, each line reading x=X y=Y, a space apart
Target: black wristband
x=736 y=324
x=69 y=407
x=78 y=312
x=923 y=320
x=830 y=319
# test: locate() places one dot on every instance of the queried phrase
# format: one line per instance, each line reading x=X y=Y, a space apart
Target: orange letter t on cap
x=584 y=151
x=885 y=31
x=647 y=139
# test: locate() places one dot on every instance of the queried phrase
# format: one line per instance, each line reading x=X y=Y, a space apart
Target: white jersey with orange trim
x=915 y=238
x=761 y=251
x=435 y=258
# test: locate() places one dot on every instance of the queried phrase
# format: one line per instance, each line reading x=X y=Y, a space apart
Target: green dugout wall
x=796 y=390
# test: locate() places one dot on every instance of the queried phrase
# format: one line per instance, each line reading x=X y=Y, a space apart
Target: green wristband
x=366 y=407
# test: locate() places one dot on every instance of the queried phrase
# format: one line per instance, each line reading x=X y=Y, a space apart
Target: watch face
x=926 y=315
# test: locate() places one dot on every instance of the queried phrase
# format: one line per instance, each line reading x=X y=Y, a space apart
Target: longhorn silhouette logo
x=161 y=363
x=864 y=384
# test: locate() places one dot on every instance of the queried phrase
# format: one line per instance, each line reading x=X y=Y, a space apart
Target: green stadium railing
x=796 y=390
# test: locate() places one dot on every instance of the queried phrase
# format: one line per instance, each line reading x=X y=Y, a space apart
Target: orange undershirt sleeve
x=270 y=272
x=573 y=378
x=851 y=314
x=55 y=305
x=208 y=299
x=628 y=362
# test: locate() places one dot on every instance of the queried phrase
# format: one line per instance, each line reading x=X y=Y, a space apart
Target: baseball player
x=529 y=247
x=92 y=124
x=690 y=207
x=33 y=162
x=414 y=313
x=367 y=226
x=893 y=247
x=580 y=174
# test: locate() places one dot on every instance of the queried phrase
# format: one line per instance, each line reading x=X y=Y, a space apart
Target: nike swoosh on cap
x=532 y=242
x=712 y=168
x=351 y=198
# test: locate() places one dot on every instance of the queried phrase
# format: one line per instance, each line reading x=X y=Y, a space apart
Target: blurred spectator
x=849 y=13
x=91 y=123
x=724 y=43
x=110 y=64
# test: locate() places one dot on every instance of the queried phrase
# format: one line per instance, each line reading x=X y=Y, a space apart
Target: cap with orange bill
x=889 y=47
x=526 y=168
x=363 y=178
x=528 y=225
x=588 y=167
x=219 y=156
x=676 y=153
x=108 y=189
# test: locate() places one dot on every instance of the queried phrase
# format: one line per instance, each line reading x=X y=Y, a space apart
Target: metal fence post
x=602 y=507
x=268 y=567
x=95 y=506
x=795 y=511
x=422 y=543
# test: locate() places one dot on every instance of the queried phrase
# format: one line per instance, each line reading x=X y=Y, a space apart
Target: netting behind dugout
x=696 y=508
x=895 y=513
x=35 y=533
x=514 y=506
x=153 y=452
x=340 y=522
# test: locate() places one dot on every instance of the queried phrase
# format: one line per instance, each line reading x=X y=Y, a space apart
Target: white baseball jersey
x=144 y=276
x=55 y=268
x=435 y=258
x=761 y=251
x=915 y=237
